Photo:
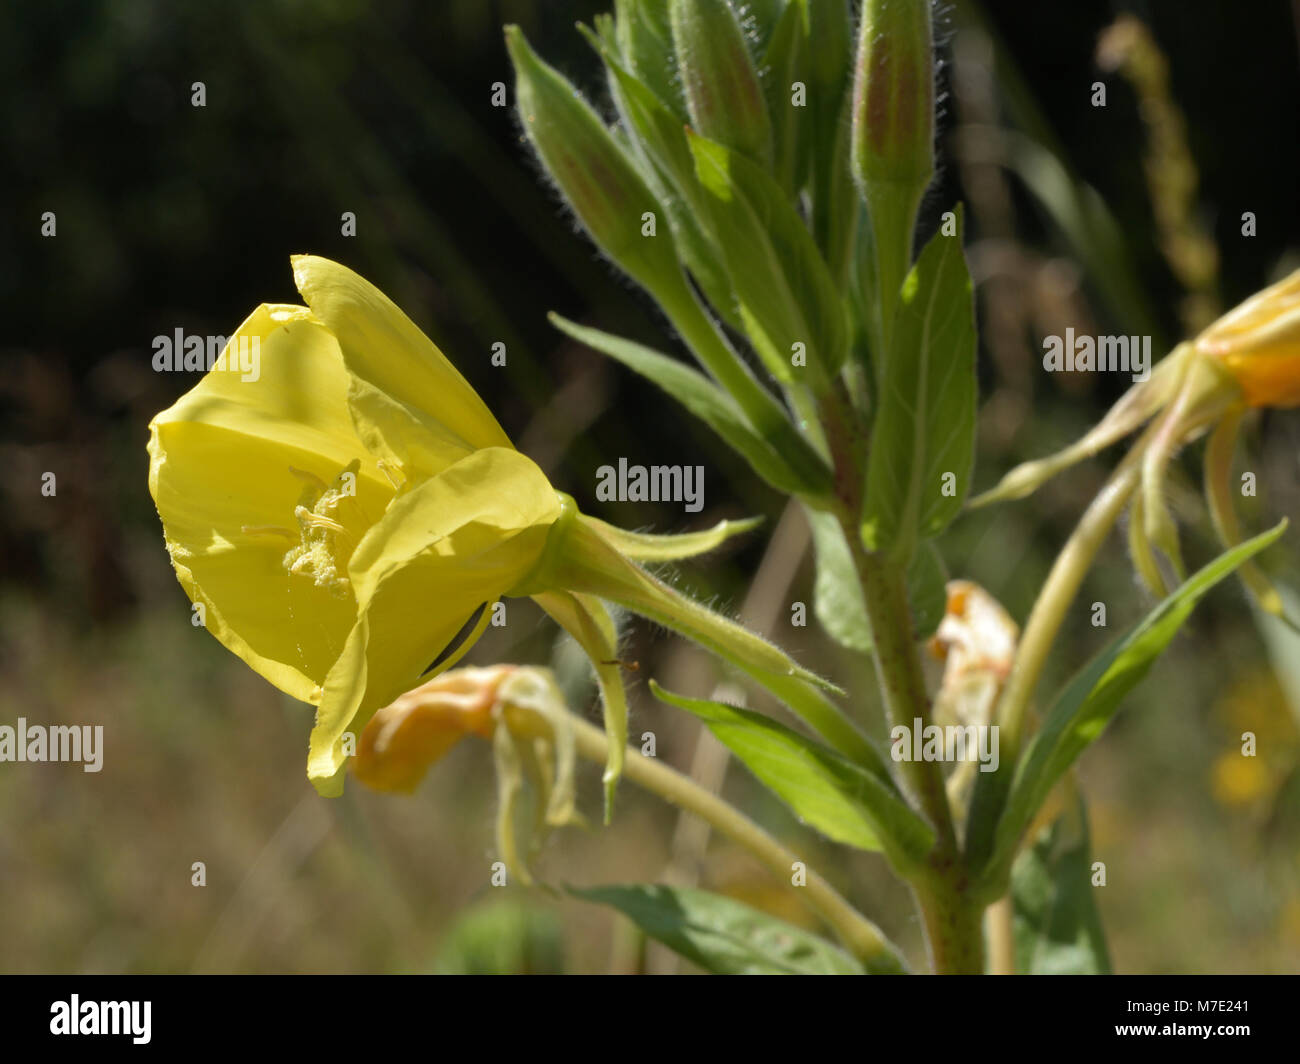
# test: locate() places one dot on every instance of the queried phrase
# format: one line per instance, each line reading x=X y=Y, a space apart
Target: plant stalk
x=952 y=919
x=858 y=934
x=1055 y=597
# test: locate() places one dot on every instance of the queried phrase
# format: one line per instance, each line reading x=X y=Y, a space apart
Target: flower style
x=343 y=516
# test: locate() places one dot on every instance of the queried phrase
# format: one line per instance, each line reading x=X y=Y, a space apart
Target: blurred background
x=1125 y=219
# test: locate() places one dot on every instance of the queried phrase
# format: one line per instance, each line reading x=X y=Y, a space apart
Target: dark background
x=171 y=216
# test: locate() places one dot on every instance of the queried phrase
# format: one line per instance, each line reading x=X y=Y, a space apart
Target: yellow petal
x=1258 y=344
x=447 y=547
x=221 y=462
x=426 y=411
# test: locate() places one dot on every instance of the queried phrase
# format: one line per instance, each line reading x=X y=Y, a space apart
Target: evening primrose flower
x=341 y=518
x=1249 y=358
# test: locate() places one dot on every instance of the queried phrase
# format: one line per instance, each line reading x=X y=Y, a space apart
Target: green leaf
x=835 y=201
x=814 y=708
x=837 y=593
x=923 y=441
x=722 y=936
x=699 y=395
x=646 y=41
x=1088 y=702
x=1057 y=926
x=782 y=284
x=927 y=591
x=826 y=791
x=759 y=18
x=784 y=63
x=837 y=215
x=649 y=547
x=659 y=138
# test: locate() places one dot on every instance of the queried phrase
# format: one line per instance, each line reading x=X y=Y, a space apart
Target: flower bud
x=1258 y=345
x=830 y=42
x=892 y=149
x=645 y=40
x=893 y=95
x=723 y=92
x=405 y=738
x=593 y=172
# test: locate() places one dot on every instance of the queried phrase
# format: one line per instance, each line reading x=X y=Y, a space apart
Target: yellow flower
x=1248 y=358
x=1258 y=344
x=344 y=510
x=342 y=516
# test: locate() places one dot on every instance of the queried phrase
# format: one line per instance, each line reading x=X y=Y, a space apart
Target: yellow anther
x=315 y=520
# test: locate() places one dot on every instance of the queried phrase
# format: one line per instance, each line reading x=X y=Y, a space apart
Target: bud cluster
x=756 y=177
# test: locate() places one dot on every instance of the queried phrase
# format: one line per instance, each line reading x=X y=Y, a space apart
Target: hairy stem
x=858 y=934
x=951 y=918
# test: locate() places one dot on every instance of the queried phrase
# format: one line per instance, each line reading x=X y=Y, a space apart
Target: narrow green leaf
x=699 y=395
x=649 y=547
x=837 y=592
x=923 y=441
x=835 y=201
x=1088 y=702
x=784 y=63
x=826 y=791
x=927 y=590
x=1057 y=926
x=759 y=19
x=646 y=42
x=811 y=705
x=659 y=138
x=722 y=936
x=783 y=287
x=837 y=215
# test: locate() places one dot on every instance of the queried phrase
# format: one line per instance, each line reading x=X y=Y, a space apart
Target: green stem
x=584 y=561
x=858 y=934
x=1055 y=597
x=941 y=887
x=953 y=922
x=893 y=220
x=884 y=590
x=760 y=407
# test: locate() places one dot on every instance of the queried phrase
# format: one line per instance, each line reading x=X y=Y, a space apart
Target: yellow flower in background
x=344 y=510
x=1258 y=344
x=1249 y=358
